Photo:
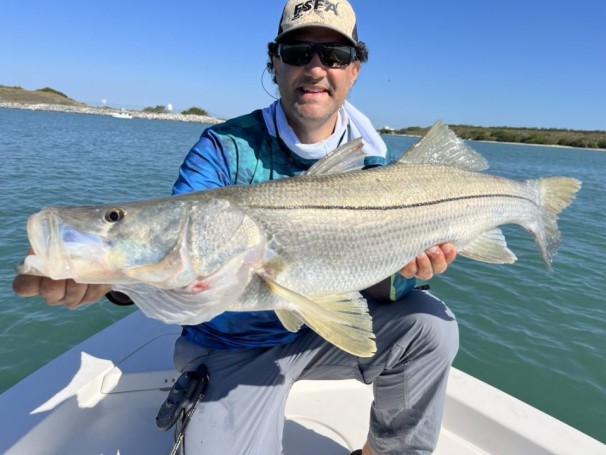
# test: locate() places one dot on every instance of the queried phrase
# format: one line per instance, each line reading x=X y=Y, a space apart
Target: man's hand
x=59 y=292
x=432 y=262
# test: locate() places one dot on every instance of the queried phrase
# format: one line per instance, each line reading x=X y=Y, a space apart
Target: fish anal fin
x=343 y=321
x=489 y=247
x=442 y=146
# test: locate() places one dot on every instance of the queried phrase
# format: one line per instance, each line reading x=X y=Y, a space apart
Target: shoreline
x=593 y=149
x=108 y=111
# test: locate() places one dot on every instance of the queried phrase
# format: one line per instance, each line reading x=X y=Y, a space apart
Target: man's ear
x=355 y=71
x=276 y=62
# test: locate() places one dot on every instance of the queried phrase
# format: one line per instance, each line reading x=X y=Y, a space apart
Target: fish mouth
x=60 y=250
x=41 y=229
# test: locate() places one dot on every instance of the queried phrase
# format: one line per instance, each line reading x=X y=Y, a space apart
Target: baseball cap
x=338 y=16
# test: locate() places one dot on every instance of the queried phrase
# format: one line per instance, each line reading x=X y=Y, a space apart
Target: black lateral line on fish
x=395 y=207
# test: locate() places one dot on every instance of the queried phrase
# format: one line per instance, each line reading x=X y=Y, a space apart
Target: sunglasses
x=331 y=55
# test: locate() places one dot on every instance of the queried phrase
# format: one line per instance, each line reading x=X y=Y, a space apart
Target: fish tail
x=555 y=194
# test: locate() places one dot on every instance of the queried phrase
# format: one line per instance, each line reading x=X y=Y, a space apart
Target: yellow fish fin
x=341 y=320
x=289 y=320
x=489 y=247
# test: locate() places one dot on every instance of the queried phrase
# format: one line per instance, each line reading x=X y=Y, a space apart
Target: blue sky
x=537 y=63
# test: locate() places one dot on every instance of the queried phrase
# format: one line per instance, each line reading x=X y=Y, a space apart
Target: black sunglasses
x=331 y=55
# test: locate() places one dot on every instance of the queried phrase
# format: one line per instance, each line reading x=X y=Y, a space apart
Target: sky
x=532 y=63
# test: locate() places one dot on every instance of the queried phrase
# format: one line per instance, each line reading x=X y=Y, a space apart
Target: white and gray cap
x=338 y=16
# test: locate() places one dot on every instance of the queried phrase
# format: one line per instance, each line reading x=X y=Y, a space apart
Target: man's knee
x=435 y=335
x=418 y=325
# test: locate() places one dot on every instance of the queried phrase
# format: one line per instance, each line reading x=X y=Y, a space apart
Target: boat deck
x=102 y=397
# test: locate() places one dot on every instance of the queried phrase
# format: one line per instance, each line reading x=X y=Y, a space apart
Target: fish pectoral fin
x=171 y=271
x=341 y=320
x=489 y=247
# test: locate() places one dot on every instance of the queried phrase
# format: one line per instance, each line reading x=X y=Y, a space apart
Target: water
x=537 y=335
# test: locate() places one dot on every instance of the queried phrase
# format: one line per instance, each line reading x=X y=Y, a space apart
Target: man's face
x=312 y=94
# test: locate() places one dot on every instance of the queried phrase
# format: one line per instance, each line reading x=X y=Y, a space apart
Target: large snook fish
x=301 y=246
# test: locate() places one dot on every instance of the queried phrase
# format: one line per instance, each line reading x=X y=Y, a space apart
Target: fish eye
x=114 y=215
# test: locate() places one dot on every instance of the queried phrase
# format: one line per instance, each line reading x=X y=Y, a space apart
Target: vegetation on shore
x=159 y=109
x=542 y=136
x=46 y=95
x=52 y=90
x=195 y=111
x=162 y=109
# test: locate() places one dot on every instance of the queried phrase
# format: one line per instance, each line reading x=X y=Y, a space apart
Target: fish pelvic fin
x=489 y=247
x=348 y=157
x=343 y=321
x=442 y=146
x=555 y=194
x=289 y=320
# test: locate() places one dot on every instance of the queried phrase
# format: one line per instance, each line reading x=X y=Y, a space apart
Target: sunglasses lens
x=296 y=54
x=331 y=55
x=336 y=56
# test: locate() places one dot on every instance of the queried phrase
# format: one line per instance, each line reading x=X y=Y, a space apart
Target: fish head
x=121 y=243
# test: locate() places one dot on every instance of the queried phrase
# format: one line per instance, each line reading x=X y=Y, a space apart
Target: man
x=252 y=360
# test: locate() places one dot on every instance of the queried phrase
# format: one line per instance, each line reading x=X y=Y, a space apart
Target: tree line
x=162 y=109
x=543 y=136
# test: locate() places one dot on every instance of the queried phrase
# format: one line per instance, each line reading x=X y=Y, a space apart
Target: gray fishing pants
x=243 y=411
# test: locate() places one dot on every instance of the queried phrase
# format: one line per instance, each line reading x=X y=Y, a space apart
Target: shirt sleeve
x=205 y=166
x=400 y=286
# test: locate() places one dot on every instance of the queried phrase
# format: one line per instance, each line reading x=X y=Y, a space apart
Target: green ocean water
x=538 y=335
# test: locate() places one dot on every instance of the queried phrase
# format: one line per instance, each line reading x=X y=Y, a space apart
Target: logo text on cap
x=318 y=6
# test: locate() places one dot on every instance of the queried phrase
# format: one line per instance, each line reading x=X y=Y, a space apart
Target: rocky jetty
x=89 y=110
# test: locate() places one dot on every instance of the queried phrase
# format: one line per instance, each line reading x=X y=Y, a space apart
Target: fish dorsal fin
x=341 y=320
x=348 y=157
x=489 y=247
x=442 y=146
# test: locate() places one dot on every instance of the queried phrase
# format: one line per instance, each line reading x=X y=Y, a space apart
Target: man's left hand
x=432 y=262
